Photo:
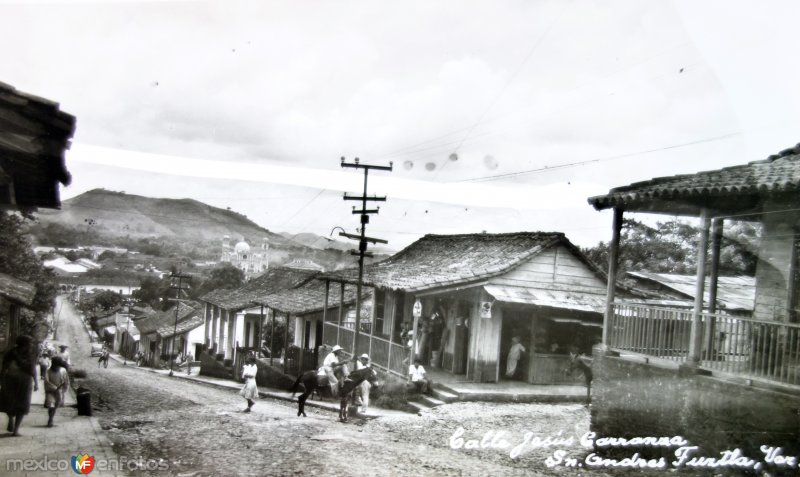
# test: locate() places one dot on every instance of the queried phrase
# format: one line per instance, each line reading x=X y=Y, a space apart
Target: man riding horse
x=335 y=360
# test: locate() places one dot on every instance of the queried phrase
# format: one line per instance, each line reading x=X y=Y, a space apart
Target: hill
x=166 y=227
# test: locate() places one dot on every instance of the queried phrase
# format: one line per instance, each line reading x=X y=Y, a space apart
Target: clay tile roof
x=308 y=298
x=779 y=173
x=34 y=134
x=153 y=322
x=16 y=290
x=187 y=324
x=438 y=260
x=249 y=294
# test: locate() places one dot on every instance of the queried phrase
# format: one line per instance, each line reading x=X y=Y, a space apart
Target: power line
x=599 y=159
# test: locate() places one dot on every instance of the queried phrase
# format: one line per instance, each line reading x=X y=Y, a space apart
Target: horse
x=576 y=361
x=346 y=388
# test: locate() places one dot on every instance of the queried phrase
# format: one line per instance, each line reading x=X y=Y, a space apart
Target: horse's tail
x=296 y=384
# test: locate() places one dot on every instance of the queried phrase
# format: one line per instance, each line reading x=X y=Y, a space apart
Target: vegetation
x=18 y=260
x=670 y=247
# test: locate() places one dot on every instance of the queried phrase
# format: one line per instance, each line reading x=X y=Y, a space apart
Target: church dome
x=241 y=247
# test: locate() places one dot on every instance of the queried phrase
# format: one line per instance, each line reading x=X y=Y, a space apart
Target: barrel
x=84 y=397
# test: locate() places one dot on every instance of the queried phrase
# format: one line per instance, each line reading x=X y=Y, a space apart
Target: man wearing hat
x=329 y=365
x=64 y=355
x=361 y=396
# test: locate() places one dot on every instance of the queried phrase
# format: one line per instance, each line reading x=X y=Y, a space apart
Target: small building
x=234 y=319
x=153 y=331
x=466 y=296
x=722 y=380
x=14 y=293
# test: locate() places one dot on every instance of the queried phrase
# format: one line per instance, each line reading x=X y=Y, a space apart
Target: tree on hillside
x=154 y=292
x=225 y=276
x=18 y=260
x=670 y=247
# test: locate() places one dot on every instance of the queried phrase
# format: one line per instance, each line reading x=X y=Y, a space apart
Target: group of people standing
x=20 y=376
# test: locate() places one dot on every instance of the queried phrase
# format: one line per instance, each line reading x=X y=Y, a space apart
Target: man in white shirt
x=361 y=396
x=416 y=376
x=332 y=361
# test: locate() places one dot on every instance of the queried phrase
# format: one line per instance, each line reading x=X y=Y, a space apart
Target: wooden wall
x=556 y=268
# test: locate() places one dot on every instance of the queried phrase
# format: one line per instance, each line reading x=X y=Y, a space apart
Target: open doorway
x=515 y=345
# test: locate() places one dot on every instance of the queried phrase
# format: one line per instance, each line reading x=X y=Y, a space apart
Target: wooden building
x=466 y=296
x=14 y=294
x=721 y=380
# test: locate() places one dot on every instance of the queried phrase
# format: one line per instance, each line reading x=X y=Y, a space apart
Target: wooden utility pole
x=362 y=238
x=178 y=300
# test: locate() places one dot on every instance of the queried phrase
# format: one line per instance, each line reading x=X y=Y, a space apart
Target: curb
x=233 y=386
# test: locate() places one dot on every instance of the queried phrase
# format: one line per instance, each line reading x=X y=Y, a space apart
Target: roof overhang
x=547 y=298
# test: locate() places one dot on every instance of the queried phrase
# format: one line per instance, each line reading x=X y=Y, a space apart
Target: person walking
x=249 y=390
x=17 y=376
x=44 y=363
x=64 y=355
x=56 y=383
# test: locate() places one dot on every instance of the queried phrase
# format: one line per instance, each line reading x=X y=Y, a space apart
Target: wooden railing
x=730 y=344
x=392 y=357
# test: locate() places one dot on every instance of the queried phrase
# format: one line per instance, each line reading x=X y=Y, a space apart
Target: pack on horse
x=311 y=381
x=577 y=361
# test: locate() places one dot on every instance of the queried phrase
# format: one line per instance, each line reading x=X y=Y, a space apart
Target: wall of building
x=636 y=400
x=774 y=268
x=555 y=268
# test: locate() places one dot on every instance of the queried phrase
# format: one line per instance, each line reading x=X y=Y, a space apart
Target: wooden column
x=341 y=311
x=613 y=264
x=271 y=312
x=286 y=344
x=716 y=245
x=696 y=331
x=324 y=312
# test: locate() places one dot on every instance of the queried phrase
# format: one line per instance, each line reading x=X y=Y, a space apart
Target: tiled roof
x=308 y=298
x=34 y=135
x=169 y=330
x=777 y=174
x=16 y=290
x=440 y=260
x=274 y=280
x=152 y=323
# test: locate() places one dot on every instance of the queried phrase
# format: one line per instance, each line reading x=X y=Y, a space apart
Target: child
x=56 y=382
x=249 y=390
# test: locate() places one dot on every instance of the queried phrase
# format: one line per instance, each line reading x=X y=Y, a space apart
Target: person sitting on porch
x=416 y=376
x=513 y=357
x=329 y=365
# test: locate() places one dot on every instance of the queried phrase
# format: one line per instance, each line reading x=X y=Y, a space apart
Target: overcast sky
x=498 y=115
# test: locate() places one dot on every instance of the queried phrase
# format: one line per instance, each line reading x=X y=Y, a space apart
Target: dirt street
x=200 y=430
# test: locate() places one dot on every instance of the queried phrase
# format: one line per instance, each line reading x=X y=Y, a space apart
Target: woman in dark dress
x=17 y=376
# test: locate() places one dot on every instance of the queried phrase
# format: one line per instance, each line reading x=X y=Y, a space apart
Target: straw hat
x=364 y=356
x=336 y=348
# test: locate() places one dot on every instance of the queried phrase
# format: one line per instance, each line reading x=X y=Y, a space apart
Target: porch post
x=391 y=296
x=286 y=344
x=613 y=264
x=696 y=330
x=324 y=311
x=271 y=312
x=341 y=311
x=716 y=245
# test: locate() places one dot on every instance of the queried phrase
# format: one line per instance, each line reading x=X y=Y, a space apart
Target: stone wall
x=631 y=399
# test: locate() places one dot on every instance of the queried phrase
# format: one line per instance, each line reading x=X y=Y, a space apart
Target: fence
x=731 y=344
x=383 y=354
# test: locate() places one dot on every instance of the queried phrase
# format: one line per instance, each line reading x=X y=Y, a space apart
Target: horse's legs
x=301 y=404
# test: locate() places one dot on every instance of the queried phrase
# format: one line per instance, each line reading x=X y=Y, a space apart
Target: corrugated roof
x=441 y=260
x=778 y=174
x=16 y=290
x=249 y=294
x=733 y=293
x=580 y=301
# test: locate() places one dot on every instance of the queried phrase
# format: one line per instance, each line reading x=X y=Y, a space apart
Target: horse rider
x=334 y=360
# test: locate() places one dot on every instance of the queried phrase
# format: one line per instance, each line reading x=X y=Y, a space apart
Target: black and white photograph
x=422 y=238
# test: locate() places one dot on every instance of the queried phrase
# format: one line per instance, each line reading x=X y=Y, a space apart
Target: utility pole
x=178 y=300
x=362 y=238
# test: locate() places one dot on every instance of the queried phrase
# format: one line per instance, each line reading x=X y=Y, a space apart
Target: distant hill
x=179 y=226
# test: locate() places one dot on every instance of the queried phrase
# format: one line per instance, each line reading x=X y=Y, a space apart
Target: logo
x=82 y=464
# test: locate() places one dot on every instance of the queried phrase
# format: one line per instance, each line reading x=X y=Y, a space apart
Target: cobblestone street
x=200 y=430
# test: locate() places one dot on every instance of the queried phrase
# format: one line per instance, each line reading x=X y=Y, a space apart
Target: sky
x=497 y=116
